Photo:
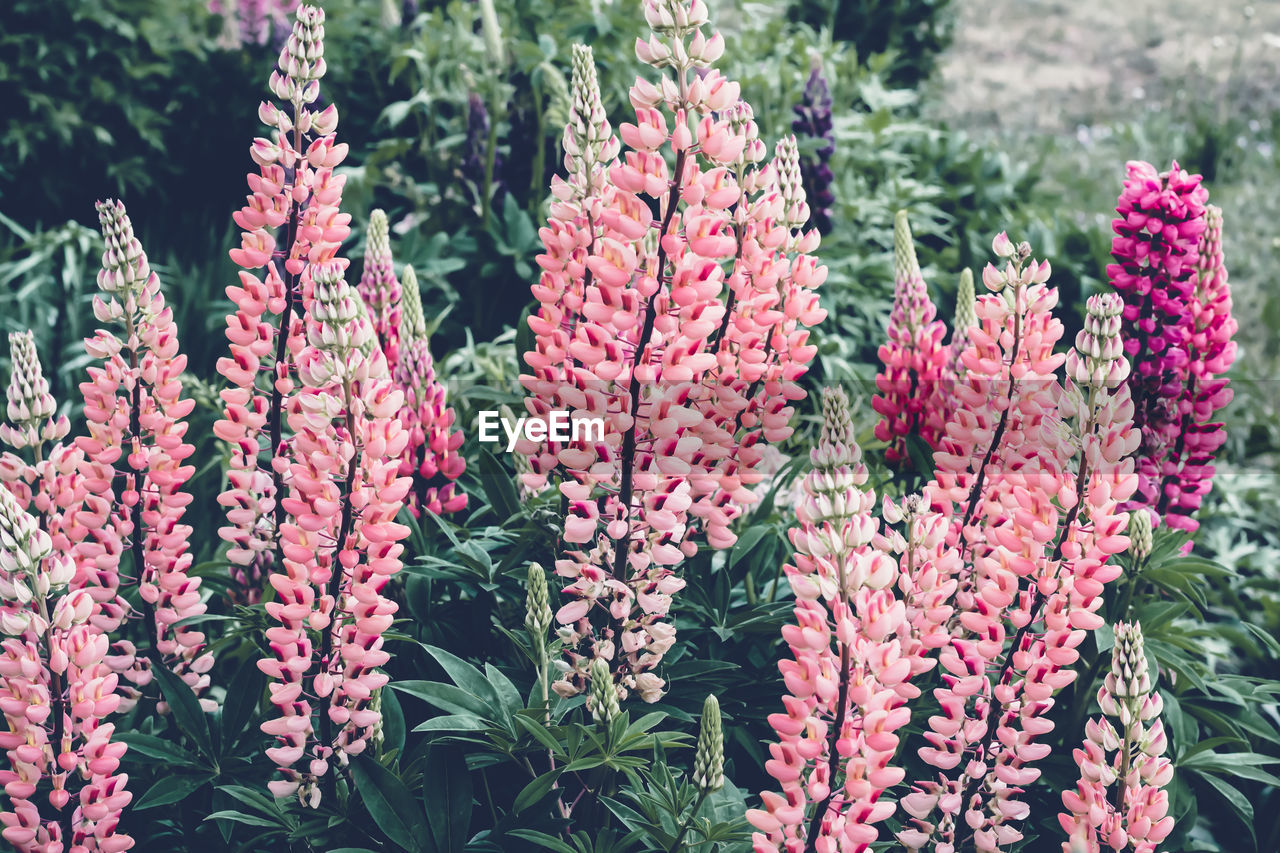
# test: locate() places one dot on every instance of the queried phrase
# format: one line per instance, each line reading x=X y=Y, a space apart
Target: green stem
x=688 y=822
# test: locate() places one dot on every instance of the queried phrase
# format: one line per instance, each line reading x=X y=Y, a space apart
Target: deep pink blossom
x=380 y=289
x=910 y=398
x=432 y=457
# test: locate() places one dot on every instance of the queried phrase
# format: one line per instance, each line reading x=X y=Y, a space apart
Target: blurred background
x=975 y=115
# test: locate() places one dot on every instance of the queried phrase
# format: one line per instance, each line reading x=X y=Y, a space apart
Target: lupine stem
x=623 y=544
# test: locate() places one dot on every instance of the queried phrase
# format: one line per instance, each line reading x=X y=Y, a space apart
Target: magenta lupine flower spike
x=380 y=288
x=1030 y=476
x=1129 y=755
x=1157 y=251
x=134 y=459
x=1188 y=471
x=910 y=386
x=844 y=705
x=55 y=690
x=340 y=545
x=432 y=458
x=684 y=333
x=291 y=221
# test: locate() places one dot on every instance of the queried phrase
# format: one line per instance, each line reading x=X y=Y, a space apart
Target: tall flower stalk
x=674 y=304
x=56 y=687
x=340 y=545
x=843 y=704
x=380 y=289
x=995 y=579
x=291 y=222
x=134 y=469
x=1032 y=485
x=1177 y=333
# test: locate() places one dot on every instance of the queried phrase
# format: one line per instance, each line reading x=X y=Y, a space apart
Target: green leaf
x=241 y=701
x=1239 y=802
x=446 y=697
x=247 y=819
x=390 y=804
x=536 y=790
x=921 y=455
x=507 y=693
x=453 y=723
x=393 y=725
x=446 y=793
x=498 y=487
x=156 y=749
x=746 y=543
x=539 y=731
x=546 y=842
x=186 y=709
x=169 y=789
x=464 y=674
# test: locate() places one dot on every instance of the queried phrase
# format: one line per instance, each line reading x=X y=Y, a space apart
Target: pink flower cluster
x=911 y=398
x=674 y=304
x=1135 y=817
x=1178 y=331
x=57 y=684
x=291 y=222
x=838 y=738
x=380 y=289
x=1000 y=573
x=134 y=469
x=340 y=545
x=432 y=454
x=316 y=443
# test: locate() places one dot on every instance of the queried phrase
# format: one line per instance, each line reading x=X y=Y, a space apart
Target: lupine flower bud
x=25 y=546
x=1140 y=534
x=30 y=407
x=708 y=763
x=538 y=615
x=475 y=162
x=1098 y=358
x=492 y=33
x=965 y=319
x=604 y=695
